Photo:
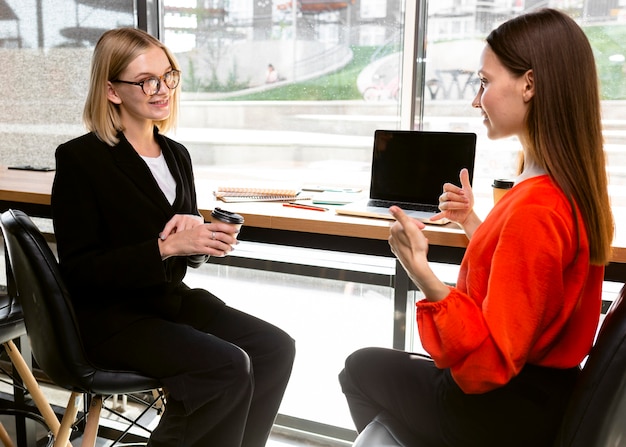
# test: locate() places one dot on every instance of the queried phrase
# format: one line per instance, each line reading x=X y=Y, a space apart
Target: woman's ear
x=529 y=85
x=112 y=94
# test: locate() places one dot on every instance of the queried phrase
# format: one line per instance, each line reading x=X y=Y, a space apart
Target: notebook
x=252 y=194
x=409 y=169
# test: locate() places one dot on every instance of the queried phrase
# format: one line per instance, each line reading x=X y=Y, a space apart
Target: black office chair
x=53 y=331
x=596 y=415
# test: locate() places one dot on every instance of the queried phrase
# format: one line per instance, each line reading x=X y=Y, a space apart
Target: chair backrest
x=596 y=415
x=50 y=322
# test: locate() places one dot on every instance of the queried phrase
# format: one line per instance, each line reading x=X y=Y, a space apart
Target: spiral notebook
x=241 y=194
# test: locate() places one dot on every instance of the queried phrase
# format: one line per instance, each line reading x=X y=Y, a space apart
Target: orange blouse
x=526 y=293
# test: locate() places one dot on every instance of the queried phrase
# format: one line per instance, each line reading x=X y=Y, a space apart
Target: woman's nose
x=476 y=100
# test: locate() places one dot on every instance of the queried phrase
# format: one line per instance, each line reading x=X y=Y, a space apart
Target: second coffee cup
x=500 y=187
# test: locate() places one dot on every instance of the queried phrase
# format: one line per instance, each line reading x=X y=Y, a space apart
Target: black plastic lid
x=501 y=183
x=227 y=216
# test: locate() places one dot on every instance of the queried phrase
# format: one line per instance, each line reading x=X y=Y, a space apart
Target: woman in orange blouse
x=507 y=340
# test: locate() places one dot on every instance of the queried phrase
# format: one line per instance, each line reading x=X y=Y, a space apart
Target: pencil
x=305 y=207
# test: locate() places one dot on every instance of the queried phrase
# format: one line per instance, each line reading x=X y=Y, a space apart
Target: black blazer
x=108 y=211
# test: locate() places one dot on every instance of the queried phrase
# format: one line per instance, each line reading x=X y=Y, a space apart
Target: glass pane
x=45 y=48
x=456 y=30
x=275 y=94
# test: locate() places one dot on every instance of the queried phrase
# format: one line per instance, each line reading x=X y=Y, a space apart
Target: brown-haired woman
x=506 y=342
x=127 y=227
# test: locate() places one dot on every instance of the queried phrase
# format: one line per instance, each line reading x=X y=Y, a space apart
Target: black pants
x=426 y=400
x=225 y=377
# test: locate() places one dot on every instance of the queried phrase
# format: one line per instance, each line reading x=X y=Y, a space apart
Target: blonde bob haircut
x=564 y=129
x=115 y=50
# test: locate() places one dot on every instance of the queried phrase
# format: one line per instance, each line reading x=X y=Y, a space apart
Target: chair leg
x=5 y=438
x=33 y=388
x=93 y=421
x=157 y=395
x=62 y=437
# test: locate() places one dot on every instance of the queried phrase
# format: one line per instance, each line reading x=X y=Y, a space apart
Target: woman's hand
x=186 y=235
x=457 y=204
x=408 y=243
x=180 y=222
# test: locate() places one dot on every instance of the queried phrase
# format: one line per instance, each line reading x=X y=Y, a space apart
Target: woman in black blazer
x=127 y=226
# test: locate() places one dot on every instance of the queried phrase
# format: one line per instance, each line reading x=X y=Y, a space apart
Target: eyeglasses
x=152 y=85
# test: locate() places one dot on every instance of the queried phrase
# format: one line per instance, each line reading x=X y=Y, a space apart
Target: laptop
x=409 y=169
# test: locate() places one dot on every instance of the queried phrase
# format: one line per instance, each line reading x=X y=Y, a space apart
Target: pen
x=329 y=189
x=305 y=207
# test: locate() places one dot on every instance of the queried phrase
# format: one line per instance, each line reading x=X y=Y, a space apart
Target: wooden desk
x=28 y=187
x=30 y=191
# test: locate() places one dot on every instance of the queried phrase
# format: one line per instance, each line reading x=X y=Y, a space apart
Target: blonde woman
x=127 y=227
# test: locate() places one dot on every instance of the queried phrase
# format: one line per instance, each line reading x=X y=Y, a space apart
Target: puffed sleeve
x=511 y=301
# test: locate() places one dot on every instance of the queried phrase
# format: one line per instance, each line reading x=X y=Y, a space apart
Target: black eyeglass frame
x=159 y=79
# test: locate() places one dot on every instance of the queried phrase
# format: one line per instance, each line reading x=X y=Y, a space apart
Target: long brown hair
x=564 y=118
x=116 y=49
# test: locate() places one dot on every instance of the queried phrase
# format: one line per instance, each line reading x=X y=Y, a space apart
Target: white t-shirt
x=162 y=175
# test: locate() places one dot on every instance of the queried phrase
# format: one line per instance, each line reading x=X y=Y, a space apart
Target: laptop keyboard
x=404 y=205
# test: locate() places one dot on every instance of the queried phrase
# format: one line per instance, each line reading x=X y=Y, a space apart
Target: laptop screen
x=412 y=166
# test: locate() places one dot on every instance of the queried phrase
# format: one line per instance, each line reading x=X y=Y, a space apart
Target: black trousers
x=225 y=375
x=428 y=403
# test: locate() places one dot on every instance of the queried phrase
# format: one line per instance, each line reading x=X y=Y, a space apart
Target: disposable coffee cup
x=227 y=217
x=500 y=188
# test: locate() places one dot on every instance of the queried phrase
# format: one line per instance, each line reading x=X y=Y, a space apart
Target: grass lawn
x=340 y=85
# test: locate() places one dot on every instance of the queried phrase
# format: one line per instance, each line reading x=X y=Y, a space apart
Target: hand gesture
x=406 y=239
x=408 y=243
x=457 y=203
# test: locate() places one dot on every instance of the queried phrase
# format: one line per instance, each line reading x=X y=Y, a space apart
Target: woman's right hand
x=457 y=203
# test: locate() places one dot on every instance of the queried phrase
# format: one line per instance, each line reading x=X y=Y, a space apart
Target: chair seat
x=375 y=434
x=384 y=431
x=117 y=382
